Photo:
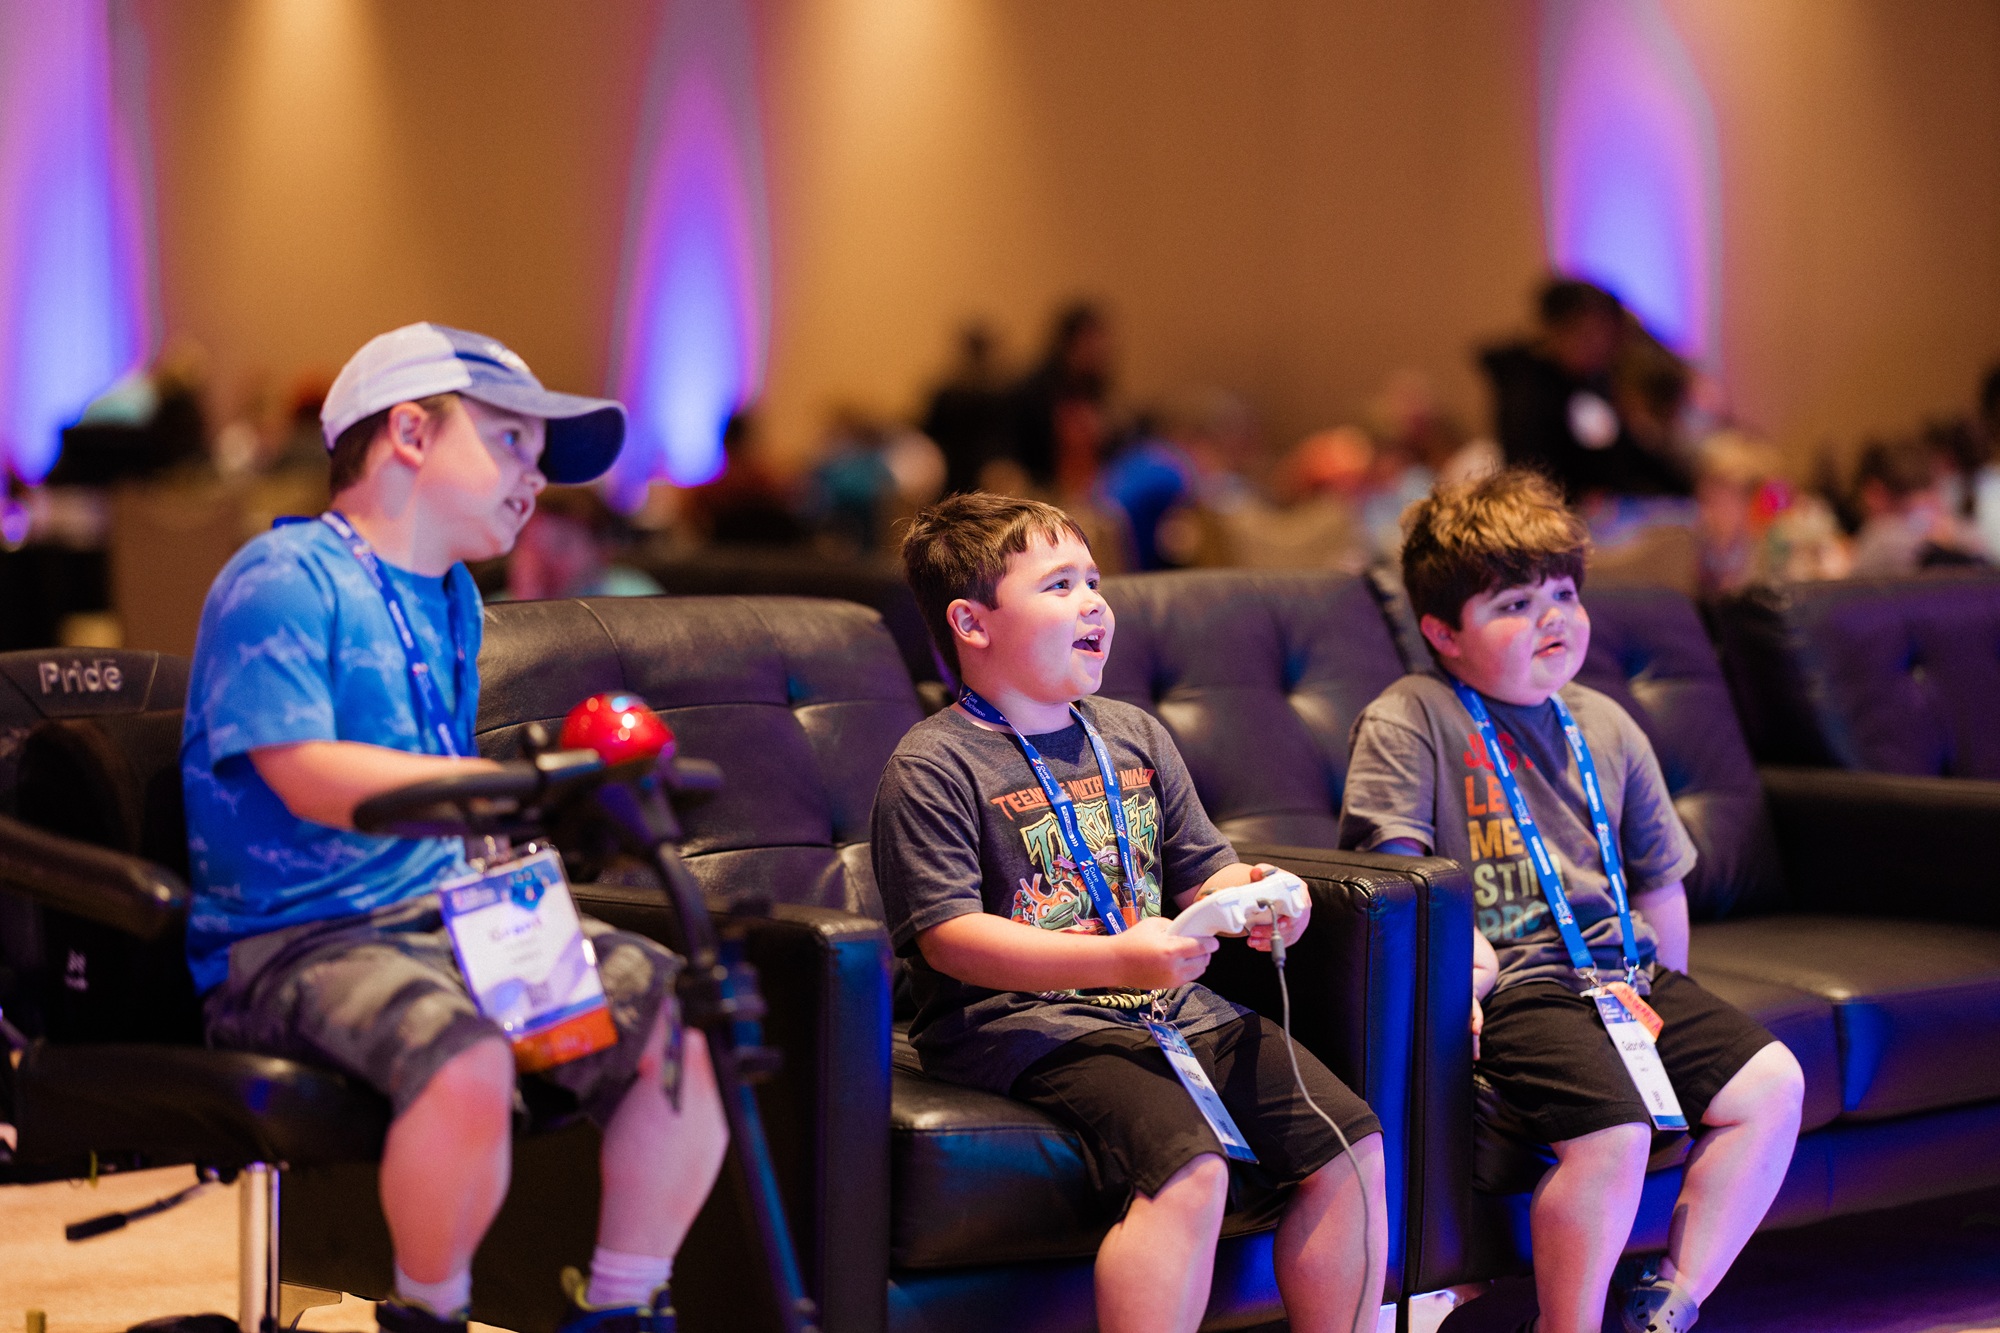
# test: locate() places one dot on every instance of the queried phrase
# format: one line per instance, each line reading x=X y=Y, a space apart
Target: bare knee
x=1621 y=1149
x=1769 y=1090
x=1200 y=1186
x=473 y=1090
x=1364 y=1158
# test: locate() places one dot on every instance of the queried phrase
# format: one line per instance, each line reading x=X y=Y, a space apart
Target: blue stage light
x=75 y=312
x=1630 y=177
x=695 y=294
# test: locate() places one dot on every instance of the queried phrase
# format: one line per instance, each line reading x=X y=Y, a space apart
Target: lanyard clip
x=1589 y=974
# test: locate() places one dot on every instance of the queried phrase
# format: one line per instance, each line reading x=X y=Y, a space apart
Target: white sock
x=443 y=1299
x=620 y=1279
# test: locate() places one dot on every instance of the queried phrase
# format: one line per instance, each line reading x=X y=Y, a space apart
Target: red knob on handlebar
x=620 y=727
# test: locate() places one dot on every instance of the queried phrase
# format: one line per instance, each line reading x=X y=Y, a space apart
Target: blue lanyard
x=1101 y=896
x=1538 y=850
x=432 y=715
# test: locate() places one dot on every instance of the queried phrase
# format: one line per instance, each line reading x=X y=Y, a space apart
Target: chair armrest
x=825 y=976
x=1381 y=992
x=1843 y=836
x=126 y=893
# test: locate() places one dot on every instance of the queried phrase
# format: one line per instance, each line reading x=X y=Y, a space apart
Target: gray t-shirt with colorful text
x=961 y=825
x=1419 y=770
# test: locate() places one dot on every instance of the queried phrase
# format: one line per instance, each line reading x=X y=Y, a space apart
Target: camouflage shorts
x=380 y=997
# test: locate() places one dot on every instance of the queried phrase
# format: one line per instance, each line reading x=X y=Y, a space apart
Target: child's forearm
x=1229 y=877
x=982 y=949
x=323 y=781
x=1666 y=911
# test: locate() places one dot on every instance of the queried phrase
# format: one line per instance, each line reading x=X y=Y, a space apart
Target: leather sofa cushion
x=1916 y=1005
x=1800 y=1019
x=1651 y=653
x=977 y=1179
x=1887 y=675
x=1258 y=677
x=744 y=571
x=799 y=700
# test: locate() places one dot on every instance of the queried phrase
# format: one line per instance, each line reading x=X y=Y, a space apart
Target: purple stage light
x=75 y=245
x=694 y=300
x=1631 y=189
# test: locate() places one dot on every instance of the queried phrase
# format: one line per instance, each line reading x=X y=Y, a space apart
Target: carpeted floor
x=1930 y=1268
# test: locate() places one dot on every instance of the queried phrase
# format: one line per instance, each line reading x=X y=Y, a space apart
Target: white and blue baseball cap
x=419 y=360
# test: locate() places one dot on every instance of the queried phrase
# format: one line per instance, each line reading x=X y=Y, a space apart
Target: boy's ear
x=968 y=623
x=407 y=434
x=1442 y=638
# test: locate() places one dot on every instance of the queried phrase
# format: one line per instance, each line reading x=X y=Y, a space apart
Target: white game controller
x=1233 y=911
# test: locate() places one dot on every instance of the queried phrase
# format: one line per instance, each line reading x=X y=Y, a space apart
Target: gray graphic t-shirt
x=1418 y=770
x=961 y=826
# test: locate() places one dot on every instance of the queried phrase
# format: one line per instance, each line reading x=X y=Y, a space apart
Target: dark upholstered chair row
x=918 y=1204
x=1836 y=906
x=1881 y=675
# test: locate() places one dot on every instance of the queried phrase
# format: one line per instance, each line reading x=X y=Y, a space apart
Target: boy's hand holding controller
x=1291 y=923
x=1159 y=959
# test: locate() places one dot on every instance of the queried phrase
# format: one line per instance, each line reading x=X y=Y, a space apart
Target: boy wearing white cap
x=337 y=660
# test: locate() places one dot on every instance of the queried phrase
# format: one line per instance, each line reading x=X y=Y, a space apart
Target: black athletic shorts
x=1546 y=1055
x=1139 y=1126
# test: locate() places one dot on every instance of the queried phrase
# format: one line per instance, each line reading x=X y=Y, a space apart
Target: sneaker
x=656 y=1316
x=396 y=1316
x=1659 y=1306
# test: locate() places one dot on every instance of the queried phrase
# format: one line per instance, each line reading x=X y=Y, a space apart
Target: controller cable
x=1367 y=1206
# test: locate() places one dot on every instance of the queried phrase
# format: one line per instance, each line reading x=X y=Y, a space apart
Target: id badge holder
x=1195 y=1079
x=1642 y=1061
x=521 y=946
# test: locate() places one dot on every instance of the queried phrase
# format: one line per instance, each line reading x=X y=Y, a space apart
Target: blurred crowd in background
x=1674 y=492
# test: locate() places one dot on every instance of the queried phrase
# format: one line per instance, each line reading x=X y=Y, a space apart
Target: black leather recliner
x=918 y=1204
x=1258 y=676
x=1874 y=675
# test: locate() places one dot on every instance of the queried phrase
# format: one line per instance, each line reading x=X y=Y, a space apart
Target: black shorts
x=1139 y=1126
x=1547 y=1057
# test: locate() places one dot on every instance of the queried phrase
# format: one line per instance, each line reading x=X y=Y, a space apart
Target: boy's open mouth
x=1090 y=642
x=1552 y=647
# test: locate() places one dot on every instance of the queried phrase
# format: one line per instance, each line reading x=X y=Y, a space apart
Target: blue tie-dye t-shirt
x=295 y=645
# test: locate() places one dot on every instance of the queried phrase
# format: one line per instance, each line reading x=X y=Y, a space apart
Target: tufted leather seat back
x=801 y=701
x=749 y=571
x=1258 y=676
x=1883 y=675
x=1650 y=652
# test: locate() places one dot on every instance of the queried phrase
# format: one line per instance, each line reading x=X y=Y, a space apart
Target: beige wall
x=1861 y=207
x=1292 y=197
x=328 y=169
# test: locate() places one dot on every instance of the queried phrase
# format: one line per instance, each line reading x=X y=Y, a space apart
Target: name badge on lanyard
x=1115 y=915
x=1642 y=1060
x=1631 y=1023
x=526 y=960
